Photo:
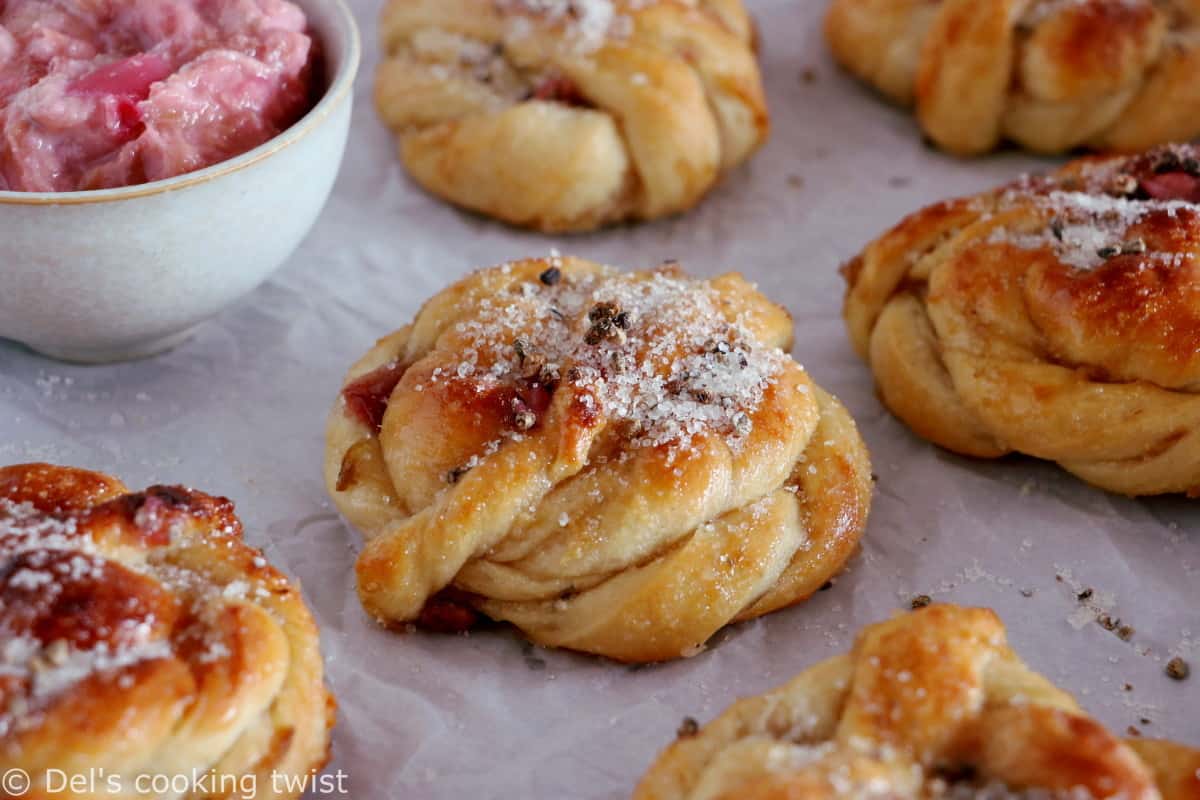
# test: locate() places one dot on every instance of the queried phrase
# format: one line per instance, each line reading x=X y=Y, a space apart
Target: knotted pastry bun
x=1047 y=74
x=141 y=639
x=615 y=463
x=931 y=704
x=1057 y=317
x=565 y=115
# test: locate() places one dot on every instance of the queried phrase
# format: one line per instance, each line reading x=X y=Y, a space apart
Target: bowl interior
x=333 y=24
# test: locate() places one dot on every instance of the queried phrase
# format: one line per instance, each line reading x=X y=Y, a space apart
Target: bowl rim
x=339 y=87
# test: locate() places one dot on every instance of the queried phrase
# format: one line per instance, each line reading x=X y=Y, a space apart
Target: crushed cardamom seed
x=523 y=417
x=1133 y=247
x=1122 y=185
x=742 y=423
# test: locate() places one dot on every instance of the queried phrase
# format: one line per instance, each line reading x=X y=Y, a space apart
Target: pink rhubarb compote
x=96 y=94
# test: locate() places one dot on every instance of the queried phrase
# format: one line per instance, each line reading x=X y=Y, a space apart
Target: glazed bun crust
x=615 y=463
x=1176 y=768
x=929 y=704
x=1057 y=317
x=570 y=114
x=1109 y=75
x=142 y=637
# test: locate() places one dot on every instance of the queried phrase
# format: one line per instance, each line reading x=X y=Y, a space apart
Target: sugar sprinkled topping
x=788 y=757
x=24 y=529
x=587 y=22
x=1087 y=229
x=47 y=555
x=52 y=553
x=578 y=27
x=653 y=354
x=56 y=668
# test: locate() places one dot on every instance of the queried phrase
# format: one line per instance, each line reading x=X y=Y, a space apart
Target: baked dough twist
x=1057 y=317
x=1051 y=75
x=615 y=463
x=142 y=644
x=565 y=115
x=931 y=704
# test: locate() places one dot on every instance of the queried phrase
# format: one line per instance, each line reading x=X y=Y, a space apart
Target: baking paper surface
x=240 y=410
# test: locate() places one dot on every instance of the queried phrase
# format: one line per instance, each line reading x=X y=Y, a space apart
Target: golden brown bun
x=1115 y=75
x=139 y=636
x=577 y=115
x=930 y=704
x=1176 y=768
x=615 y=463
x=1057 y=317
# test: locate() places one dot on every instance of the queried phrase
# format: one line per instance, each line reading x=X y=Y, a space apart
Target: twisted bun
x=615 y=463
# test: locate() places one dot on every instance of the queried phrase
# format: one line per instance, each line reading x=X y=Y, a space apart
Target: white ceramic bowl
x=118 y=274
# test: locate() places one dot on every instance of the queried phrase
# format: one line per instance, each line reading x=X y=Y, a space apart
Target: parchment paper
x=240 y=410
